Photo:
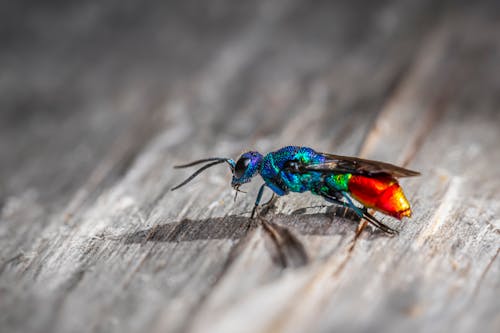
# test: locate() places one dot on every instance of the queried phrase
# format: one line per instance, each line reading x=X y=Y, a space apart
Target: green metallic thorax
x=281 y=182
x=339 y=182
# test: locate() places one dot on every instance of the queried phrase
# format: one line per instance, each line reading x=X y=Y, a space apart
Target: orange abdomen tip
x=380 y=193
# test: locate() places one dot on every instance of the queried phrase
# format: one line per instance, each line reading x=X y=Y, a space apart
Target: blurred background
x=77 y=77
x=99 y=93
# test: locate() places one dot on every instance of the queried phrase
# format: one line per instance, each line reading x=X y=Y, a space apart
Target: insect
x=338 y=179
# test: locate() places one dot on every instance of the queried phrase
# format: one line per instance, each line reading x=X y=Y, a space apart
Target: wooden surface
x=100 y=99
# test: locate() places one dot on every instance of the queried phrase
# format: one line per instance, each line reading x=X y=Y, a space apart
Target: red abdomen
x=380 y=193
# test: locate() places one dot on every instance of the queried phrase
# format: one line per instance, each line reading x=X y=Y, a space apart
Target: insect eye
x=291 y=166
x=241 y=166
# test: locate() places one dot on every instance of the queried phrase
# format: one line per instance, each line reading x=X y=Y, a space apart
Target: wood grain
x=99 y=101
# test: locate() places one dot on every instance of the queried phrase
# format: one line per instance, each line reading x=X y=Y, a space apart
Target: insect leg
x=267 y=206
x=361 y=212
x=336 y=201
x=370 y=218
x=373 y=220
x=270 y=201
x=257 y=201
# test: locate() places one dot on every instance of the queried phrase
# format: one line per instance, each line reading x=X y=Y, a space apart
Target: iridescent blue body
x=334 y=177
x=278 y=170
x=273 y=170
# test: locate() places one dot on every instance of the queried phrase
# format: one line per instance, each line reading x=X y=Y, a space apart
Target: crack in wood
x=234 y=252
x=442 y=212
x=291 y=251
x=485 y=271
x=321 y=277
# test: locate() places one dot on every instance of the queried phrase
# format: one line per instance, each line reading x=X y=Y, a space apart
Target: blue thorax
x=274 y=165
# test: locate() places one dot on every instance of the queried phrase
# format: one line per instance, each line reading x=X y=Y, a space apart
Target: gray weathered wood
x=99 y=101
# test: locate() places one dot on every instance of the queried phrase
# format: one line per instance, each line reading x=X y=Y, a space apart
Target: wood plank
x=93 y=240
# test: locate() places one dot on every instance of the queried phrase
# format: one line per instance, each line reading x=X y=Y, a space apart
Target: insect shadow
x=237 y=226
x=187 y=230
x=280 y=230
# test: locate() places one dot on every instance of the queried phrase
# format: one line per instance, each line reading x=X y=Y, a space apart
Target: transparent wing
x=354 y=165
